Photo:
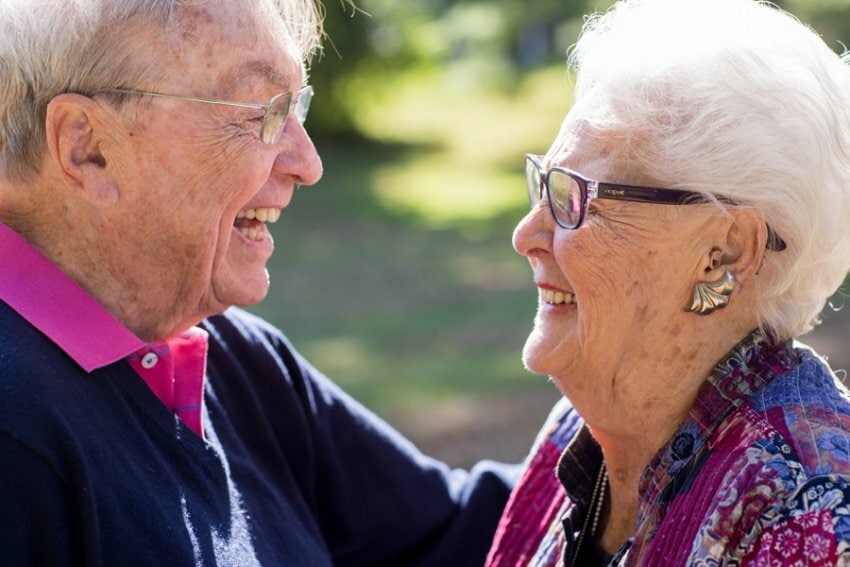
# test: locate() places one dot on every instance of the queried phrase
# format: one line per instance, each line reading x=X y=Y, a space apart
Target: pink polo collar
x=63 y=311
x=58 y=307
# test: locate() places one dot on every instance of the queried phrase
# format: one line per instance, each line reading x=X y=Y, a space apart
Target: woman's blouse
x=758 y=474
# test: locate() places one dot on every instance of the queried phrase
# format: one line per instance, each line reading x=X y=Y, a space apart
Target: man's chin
x=245 y=292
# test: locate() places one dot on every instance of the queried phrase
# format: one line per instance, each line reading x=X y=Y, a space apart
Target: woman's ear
x=740 y=251
x=74 y=131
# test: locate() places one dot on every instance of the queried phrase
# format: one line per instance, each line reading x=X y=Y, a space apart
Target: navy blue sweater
x=94 y=470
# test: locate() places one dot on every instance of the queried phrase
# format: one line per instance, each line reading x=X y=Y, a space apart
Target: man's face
x=195 y=180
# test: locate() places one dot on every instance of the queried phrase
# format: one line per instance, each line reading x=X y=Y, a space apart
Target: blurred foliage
x=372 y=48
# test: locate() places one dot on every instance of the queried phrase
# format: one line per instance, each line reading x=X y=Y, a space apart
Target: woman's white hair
x=49 y=47
x=735 y=99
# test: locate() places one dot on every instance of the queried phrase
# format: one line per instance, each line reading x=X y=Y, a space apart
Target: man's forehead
x=239 y=48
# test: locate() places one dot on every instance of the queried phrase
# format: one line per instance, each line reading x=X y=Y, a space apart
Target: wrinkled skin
x=149 y=215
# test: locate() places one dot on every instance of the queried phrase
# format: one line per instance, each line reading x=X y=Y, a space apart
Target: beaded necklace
x=591 y=520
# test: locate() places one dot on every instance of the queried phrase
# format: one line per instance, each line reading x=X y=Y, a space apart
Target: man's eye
x=251 y=124
x=248 y=116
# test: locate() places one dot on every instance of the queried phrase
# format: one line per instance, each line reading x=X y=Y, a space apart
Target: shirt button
x=149 y=360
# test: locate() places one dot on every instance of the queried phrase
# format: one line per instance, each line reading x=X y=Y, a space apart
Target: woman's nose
x=533 y=234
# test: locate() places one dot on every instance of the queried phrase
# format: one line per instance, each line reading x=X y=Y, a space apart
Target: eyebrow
x=256 y=68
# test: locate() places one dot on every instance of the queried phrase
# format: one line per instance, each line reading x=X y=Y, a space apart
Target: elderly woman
x=687 y=224
x=144 y=147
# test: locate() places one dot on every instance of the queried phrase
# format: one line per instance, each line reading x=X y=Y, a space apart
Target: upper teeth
x=267 y=214
x=549 y=296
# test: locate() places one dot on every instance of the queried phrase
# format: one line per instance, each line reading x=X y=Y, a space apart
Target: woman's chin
x=547 y=349
x=537 y=358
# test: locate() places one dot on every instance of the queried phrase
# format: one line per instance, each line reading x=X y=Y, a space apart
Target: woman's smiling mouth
x=552 y=297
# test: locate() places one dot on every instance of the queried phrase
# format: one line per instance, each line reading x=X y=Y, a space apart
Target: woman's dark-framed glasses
x=275 y=113
x=569 y=192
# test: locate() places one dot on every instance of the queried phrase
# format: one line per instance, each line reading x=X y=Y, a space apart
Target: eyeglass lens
x=278 y=112
x=533 y=181
x=564 y=193
x=302 y=104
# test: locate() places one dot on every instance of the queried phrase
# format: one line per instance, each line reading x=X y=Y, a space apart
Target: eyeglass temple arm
x=639 y=194
x=660 y=196
x=192 y=98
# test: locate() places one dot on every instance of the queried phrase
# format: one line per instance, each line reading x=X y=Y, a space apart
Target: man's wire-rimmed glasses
x=275 y=113
x=569 y=192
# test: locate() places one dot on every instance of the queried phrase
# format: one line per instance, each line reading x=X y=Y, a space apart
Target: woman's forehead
x=601 y=153
x=588 y=150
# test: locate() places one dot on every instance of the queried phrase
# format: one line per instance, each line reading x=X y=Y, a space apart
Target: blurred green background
x=395 y=274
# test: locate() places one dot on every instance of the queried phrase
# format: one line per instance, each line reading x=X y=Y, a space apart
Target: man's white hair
x=48 y=47
x=735 y=99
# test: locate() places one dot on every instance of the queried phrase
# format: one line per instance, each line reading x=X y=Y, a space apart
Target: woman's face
x=612 y=292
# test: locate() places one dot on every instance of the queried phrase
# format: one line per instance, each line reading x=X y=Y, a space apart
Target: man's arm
x=380 y=500
x=376 y=498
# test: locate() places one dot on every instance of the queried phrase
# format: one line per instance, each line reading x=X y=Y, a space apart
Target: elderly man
x=144 y=145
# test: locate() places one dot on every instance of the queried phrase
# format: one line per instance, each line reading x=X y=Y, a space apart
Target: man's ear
x=740 y=249
x=74 y=129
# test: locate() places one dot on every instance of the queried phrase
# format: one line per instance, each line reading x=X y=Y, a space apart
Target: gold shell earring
x=711 y=296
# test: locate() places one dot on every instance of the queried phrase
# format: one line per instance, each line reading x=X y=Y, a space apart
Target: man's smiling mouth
x=251 y=222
